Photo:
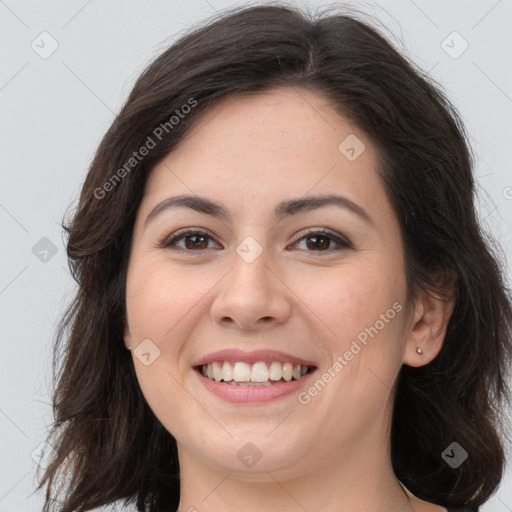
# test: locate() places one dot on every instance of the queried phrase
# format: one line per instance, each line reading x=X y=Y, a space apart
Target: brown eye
x=194 y=240
x=197 y=241
x=322 y=241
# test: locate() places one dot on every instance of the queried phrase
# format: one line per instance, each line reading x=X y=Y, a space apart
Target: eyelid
x=340 y=240
x=180 y=233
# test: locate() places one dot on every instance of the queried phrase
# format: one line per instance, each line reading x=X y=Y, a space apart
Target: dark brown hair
x=108 y=444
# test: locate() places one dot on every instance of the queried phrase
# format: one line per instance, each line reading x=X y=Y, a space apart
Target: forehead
x=304 y=122
x=271 y=146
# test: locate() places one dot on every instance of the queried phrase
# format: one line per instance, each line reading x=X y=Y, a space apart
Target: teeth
x=260 y=374
x=241 y=372
x=217 y=371
x=276 y=372
x=287 y=371
x=249 y=384
x=227 y=372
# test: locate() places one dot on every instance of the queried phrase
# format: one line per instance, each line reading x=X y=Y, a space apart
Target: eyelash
x=342 y=243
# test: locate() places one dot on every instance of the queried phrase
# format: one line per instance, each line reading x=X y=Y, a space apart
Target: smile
x=259 y=374
x=277 y=380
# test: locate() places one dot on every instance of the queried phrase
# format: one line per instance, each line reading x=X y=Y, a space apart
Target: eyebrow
x=284 y=209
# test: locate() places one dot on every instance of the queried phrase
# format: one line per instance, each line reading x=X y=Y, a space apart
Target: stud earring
x=129 y=348
x=420 y=352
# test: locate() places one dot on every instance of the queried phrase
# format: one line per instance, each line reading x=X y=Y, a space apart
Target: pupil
x=194 y=244
x=321 y=246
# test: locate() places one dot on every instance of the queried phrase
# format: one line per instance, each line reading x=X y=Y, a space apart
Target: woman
x=285 y=300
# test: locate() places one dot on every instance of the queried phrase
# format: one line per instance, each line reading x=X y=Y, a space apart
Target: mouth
x=251 y=377
x=257 y=374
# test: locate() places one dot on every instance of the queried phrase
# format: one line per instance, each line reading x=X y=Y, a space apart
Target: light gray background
x=54 y=112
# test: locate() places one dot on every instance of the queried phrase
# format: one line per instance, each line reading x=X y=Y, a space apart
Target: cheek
x=158 y=296
x=149 y=307
x=347 y=302
x=357 y=293
x=165 y=304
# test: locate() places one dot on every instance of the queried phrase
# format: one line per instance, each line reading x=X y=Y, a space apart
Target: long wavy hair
x=107 y=445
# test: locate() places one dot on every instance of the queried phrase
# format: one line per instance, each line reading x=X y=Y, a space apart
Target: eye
x=321 y=240
x=193 y=238
x=196 y=240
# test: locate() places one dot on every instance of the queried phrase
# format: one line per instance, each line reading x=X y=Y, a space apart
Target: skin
x=329 y=455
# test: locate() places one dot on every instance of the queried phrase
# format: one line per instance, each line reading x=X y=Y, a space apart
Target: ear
x=127 y=336
x=428 y=328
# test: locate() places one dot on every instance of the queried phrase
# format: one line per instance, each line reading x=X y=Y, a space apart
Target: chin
x=248 y=455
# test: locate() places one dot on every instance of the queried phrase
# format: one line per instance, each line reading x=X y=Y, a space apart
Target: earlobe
x=427 y=332
x=127 y=337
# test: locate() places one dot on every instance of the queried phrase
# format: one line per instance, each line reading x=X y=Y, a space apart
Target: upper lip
x=234 y=354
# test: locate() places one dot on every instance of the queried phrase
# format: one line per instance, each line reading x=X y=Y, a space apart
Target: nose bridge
x=250 y=291
x=250 y=267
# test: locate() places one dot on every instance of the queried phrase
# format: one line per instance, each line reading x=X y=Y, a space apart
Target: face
x=324 y=284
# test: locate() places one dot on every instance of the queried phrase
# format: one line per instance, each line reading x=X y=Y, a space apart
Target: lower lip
x=240 y=394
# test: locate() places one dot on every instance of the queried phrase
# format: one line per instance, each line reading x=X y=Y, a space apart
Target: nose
x=252 y=296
